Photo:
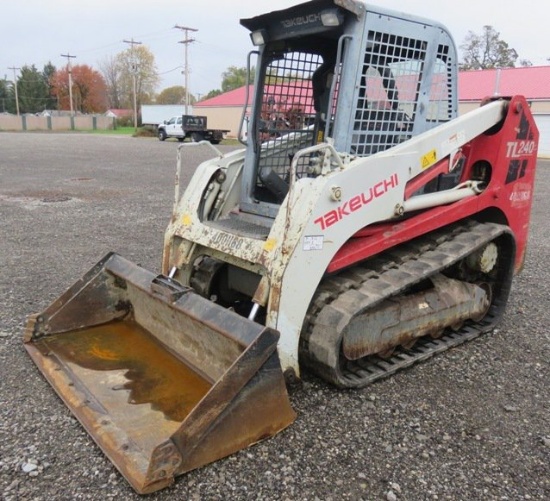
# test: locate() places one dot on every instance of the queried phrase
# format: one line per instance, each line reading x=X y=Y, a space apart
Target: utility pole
x=15 y=87
x=132 y=42
x=69 y=57
x=186 y=42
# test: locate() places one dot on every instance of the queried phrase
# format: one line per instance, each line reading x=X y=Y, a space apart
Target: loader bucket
x=163 y=380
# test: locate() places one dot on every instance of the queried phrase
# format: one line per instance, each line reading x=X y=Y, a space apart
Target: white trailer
x=154 y=114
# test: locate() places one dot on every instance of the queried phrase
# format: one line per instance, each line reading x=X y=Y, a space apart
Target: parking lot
x=472 y=423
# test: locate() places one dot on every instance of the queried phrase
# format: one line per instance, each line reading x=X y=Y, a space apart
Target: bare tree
x=111 y=74
x=486 y=51
x=119 y=70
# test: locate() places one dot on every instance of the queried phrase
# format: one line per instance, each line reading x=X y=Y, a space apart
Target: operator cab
x=366 y=78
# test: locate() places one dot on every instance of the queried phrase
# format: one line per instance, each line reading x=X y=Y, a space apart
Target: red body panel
x=511 y=154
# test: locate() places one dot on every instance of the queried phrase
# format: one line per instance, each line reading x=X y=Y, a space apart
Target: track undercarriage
x=408 y=304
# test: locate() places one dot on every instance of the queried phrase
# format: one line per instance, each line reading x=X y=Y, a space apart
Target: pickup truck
x=189 y=126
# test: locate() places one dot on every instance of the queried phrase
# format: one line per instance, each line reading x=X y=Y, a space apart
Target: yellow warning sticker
x=186 y=220
x=320 y=136
x=429 y=159
x=270 y=244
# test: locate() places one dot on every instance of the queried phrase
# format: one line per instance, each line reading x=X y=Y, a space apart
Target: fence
x=31 y=122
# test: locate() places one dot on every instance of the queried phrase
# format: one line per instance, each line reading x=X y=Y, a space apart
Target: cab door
x=174 y=128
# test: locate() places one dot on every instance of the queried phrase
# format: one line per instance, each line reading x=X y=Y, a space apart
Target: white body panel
x=313 y=223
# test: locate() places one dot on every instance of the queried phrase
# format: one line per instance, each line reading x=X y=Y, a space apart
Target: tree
x=47 y=73
x=111 y=72
x=486 y=51
x=118 y=72
x=235 y=77
x=213 y=93
x=138 y=62
x=89 y=89
x=32 y=90
x=174 y=95
x=4 y=96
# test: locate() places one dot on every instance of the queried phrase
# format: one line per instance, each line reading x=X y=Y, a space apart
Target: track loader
x=363 y=227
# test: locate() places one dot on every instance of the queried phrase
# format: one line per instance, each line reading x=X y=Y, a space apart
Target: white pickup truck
x=189 y=126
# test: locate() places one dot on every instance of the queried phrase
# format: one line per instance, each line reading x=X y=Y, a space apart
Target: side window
x=388 y=92
x=171 y=121
x=179 y=120
x=285 y=121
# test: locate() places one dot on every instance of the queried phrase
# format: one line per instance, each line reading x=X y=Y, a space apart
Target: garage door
x=543 y=123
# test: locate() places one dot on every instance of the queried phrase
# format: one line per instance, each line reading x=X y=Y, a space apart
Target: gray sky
x=38 y=31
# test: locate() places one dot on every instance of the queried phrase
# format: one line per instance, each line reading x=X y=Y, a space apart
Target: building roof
x=235 y=97
x=119 y=112
x=531 y=81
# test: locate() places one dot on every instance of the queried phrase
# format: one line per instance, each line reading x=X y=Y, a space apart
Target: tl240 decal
x=517 y=149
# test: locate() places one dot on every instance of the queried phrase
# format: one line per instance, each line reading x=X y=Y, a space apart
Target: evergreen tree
x=47 y=73
x=4 y=96
x=33 y=92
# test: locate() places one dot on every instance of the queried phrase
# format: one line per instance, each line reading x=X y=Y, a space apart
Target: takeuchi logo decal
x=357 y=202
x=301 y=20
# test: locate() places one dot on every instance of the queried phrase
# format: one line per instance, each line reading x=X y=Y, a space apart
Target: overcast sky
x=38 y=31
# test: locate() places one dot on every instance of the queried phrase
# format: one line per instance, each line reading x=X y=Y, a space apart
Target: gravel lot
x=471 y=424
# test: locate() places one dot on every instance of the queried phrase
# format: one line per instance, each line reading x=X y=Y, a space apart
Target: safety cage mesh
x=440 y=108
x=388 y=92
x=287 y=121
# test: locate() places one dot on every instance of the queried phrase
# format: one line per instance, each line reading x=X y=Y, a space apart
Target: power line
x=186 y=42
x=112 y=44
x=169 y=71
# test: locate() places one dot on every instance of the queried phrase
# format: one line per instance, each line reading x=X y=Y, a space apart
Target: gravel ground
x=473 y=423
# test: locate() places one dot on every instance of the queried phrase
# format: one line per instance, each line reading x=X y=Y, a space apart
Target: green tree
x=32 y=89
x=47 y=73
x=4 y=96
x=235 y=77
x=213 y=93
x=486 y=51
x=174 y=95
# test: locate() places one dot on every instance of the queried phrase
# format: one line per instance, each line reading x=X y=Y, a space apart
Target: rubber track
x=352 y=292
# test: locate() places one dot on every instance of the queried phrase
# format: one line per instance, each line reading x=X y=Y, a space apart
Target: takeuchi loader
x=363 y=227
